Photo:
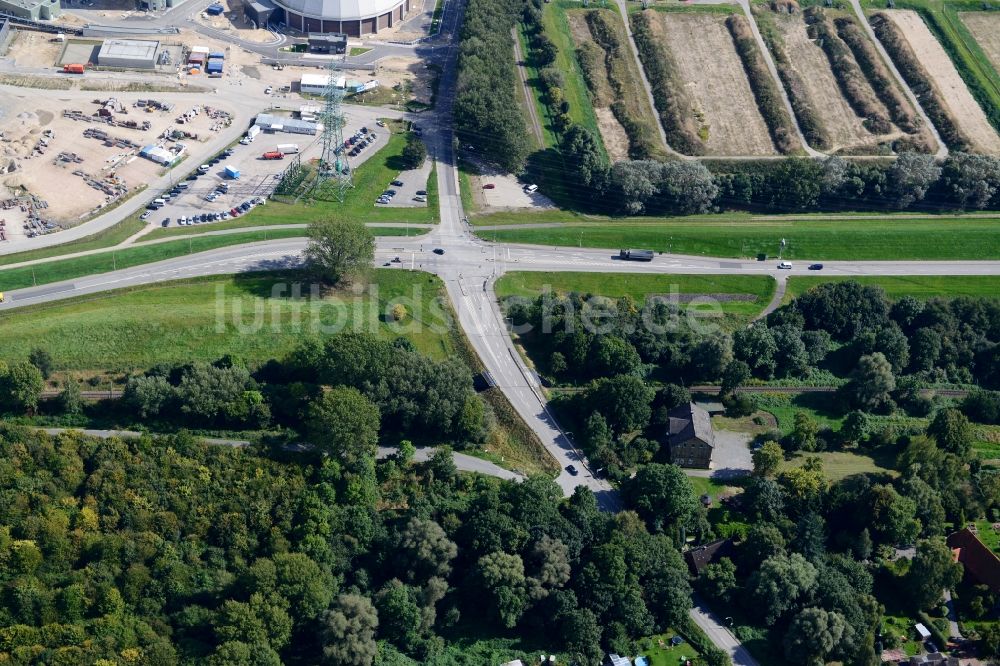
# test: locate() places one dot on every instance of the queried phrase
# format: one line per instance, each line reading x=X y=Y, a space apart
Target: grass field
x=745 y=237
x=370 y=180
x=918 y=286
x=616 y=285
x=135 y=255
x=838 y=465
x=203 y=319
x=667 y=655
x=107 y=238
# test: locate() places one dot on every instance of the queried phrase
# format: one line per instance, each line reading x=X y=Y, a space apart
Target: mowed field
x=845 y=128
x=807 y=238
x=985 y=27
x=920 y=287
x=954 y=94
x=712 y=73
x=739 y=297
x=204 y=319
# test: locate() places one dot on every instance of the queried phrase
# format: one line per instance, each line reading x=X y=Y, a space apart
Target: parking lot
x=258 y=177
x=413 y=181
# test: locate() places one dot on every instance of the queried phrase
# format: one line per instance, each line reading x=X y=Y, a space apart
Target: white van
x=160 y=201
x=785 y=265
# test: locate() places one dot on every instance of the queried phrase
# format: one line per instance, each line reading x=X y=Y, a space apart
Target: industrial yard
x=85 y=155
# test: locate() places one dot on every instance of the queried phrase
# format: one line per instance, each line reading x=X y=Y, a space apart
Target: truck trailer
x=288 y=148
x=74 y=69
x=273 y=155
x=636 y=255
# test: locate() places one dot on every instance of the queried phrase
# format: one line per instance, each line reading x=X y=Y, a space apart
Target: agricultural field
x=985 y=28
x=626 y=121
x=921 y=287
x=831 y=120
x=958 y=102
x=710 y=94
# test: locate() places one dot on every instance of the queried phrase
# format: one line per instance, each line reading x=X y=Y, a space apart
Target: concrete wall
x=6 y=34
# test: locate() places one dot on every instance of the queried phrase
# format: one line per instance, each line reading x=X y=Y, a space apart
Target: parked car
x=489 y=186
x=572 y=469
x=397 y=183
x=422 y=193
x=144 y=215
x=166 y=222
x=815 y=267
x=785 y=265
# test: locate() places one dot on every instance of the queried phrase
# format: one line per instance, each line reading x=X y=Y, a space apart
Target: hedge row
x=851 y=79
x=674 y=108
x=918 y=80
x=809 y=121
x=641 y=137
x=878 y=74
x=769 y=101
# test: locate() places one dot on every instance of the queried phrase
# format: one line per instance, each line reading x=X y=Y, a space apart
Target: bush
x=918 y=80
x=850 y=78
x=878 y=75
x=769 y=101
x=674 y=107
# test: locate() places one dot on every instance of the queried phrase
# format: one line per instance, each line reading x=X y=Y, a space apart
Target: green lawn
x=135 y=255
x=744 y=237
x=667 y=655
x=370 y=180
x=918 y=286
x=616 y=285
x=359 y=50
x=784 y=406
x=110 y=236
x=902 y=628
x=841 y=464
x=203 y=319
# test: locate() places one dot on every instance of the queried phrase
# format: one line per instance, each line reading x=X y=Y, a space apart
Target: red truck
x=273 y=155
x=73 y=69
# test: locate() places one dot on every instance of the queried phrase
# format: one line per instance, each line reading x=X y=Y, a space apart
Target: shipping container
x=216 y=54
x=232 y=172
x=288 y=148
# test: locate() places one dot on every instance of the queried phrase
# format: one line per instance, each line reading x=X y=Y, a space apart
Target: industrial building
x=315 y=84
x=335 y=43
x=33 y=10
x=270 y=123
x=260 y=12
x=353 y=18
x=128 y=53
x=162 y=155
x=6 y=34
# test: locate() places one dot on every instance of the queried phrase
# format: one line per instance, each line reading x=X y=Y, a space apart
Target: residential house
x=700 y=557
x=981 y=564
x=690 y=438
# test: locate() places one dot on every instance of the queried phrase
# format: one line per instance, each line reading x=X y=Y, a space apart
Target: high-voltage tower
x=334 y=172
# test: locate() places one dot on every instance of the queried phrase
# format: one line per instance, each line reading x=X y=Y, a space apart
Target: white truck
x=250 y=135
x=288 y=148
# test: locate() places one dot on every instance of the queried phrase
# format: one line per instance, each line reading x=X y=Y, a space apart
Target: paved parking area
x=258 y=177
x=508 y=193
x=413 y=180
x=732 y=456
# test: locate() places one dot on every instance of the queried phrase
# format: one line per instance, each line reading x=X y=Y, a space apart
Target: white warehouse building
x=353 y=18
x=128 y=53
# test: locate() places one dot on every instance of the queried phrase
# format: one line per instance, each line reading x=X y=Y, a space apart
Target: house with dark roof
x=690 y=438
x=701 y=556
x=981 y=564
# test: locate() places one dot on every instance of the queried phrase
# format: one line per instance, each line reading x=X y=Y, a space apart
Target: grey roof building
x=33 y=10
x=690 y=437
x=128 y=53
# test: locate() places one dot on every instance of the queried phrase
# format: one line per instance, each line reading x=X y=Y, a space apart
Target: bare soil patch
x=846 y=129
x=955 y=96
x=612 y=133
x=713 y=74
x=34 y=49
x=985 y=27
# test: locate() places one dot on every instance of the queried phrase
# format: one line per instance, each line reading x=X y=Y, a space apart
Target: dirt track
x=713 y=74
x=955 y=96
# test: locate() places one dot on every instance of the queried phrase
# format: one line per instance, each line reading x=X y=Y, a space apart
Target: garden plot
x=713 y=74
x=846 y=129
x=954 y=94
x=985 y=27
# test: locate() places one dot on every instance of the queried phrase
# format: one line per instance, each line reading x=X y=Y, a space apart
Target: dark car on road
x=397 y=183
x=815 y=267
x=439 y=250
x=572 y=469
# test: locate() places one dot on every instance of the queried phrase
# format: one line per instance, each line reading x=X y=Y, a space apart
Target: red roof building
x=981 y=564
